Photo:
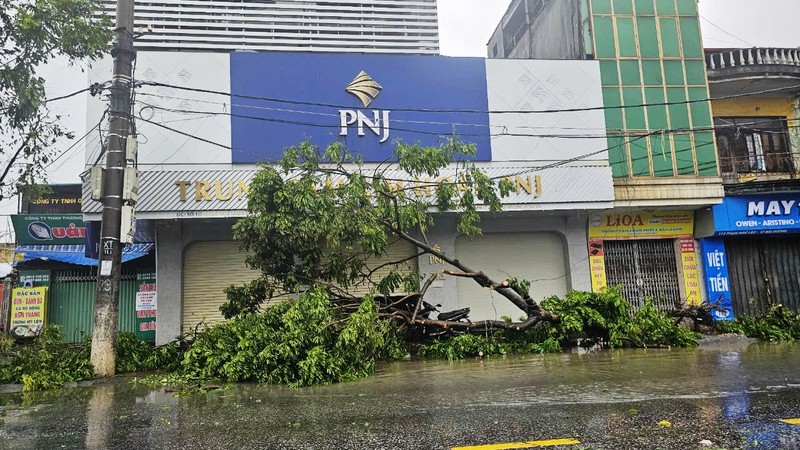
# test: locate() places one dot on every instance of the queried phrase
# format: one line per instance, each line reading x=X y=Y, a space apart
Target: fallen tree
x=318 y=217
x=320 y=228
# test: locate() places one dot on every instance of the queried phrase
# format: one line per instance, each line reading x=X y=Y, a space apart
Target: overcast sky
x=466 y=25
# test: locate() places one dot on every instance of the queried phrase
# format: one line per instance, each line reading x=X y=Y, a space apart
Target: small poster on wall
x=146 y=305
x=28 y=307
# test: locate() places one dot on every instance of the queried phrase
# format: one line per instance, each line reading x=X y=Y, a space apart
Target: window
x=753 y=144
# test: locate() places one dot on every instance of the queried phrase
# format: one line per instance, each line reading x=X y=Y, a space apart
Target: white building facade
x=376 y=26
x=195 y=173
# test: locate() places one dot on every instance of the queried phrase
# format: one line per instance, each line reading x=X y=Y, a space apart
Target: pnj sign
x=378 y=123
x=367 y=90
x=774 y=214
x=280 y=99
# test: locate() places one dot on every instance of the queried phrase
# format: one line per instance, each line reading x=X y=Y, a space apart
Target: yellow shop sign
x=642 y=225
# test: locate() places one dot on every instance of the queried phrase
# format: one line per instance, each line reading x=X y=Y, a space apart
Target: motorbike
x=429 y=333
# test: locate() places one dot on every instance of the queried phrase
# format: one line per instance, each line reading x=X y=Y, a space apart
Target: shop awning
x=74 y=254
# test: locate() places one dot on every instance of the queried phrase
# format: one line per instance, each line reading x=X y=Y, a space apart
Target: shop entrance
x=645 y=269
x=764 y=272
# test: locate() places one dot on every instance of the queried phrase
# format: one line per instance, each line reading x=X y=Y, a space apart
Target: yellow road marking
x=516 y=445
x=791 y=421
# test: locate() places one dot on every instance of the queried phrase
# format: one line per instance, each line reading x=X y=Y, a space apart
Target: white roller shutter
x=209 y=268
x=538 y=257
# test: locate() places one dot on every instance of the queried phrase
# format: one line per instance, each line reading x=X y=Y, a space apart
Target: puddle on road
x=423 y=391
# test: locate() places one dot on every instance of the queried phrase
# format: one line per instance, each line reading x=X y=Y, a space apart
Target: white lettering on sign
x=716 y=259
x=773 y=208
x=719 y=283
x=378 y=124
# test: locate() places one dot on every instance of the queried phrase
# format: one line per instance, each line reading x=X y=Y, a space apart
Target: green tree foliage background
x=32 y=33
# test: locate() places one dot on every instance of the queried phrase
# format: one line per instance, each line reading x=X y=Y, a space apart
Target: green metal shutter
x=71 y=302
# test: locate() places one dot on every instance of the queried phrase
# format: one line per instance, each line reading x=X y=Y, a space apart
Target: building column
x=576 y=235
x=169 y=287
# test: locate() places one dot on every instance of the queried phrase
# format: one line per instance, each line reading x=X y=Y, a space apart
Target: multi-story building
x=198 y=158
x=751 y=242
x=190 y=44
x=660 y=134
x=355 y=26
x=205 y=118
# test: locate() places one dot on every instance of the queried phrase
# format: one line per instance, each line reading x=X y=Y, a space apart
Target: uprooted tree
x=320 y=217
x=319 y=229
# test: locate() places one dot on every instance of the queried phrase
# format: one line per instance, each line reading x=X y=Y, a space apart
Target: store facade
x=651 y=254
x=751 y=253
x=557 y=162
x=53 y=254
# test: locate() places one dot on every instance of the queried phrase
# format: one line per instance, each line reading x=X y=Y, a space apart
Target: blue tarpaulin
x=74 y=254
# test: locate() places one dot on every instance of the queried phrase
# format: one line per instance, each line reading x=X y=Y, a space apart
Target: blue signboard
x=718 y=286
x=368 y=102
x=759 y=214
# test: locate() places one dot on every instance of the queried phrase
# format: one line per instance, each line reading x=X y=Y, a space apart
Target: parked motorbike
x=429 y=333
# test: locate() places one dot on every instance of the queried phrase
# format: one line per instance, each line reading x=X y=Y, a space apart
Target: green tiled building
x=650 y=53
x=661 y=143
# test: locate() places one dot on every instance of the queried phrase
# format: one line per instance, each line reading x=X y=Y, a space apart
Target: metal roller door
x=538 y=257
x=210 y=267
x=645 y=269
x=764 y=272
x=71 y=302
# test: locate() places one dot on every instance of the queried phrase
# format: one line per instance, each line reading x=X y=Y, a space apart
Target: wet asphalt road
x=733 y=396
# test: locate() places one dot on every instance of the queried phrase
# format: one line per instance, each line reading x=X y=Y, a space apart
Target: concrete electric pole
x=110 y=252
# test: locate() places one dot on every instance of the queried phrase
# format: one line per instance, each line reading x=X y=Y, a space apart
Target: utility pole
x=110 y=254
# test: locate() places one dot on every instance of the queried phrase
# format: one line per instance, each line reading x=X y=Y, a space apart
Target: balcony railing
x=757 y=164
x=753 y=57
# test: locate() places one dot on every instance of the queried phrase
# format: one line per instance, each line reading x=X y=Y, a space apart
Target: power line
x=527 y=169
x=74 y=144
x=317 y=113
x=62 y=154
x=337 y=126
x=604 y=135
x=674 y=151
x=467 y=111
x=94 y=89
x=724 y=31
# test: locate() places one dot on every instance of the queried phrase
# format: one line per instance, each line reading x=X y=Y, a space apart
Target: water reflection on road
x=612 y=399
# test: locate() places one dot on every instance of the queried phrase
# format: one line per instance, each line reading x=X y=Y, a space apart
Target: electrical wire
x=604 y=135
x=527 y=169
x=98 y=126
x=75 y=144
x=317 y=113
x=94 y=89
x=468 y=111
x=65 y=152
x=624 y=143
x=337 y=125
x=724 y=31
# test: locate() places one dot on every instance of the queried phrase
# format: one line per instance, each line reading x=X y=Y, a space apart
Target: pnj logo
x=367 y=90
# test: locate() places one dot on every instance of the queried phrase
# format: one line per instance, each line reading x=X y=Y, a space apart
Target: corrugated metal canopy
x=223 y=193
